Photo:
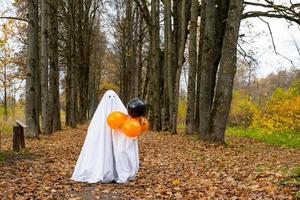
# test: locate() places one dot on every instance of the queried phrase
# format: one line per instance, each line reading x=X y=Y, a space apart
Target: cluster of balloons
x=132 y=125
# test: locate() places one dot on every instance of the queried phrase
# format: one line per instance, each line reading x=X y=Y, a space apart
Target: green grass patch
x=4 y=155
x=6 y=123
x=289 y=139
x=9 y=156
x=180 y=126
x=193 y=136
x=260 y=168
x=6 y=127
x=292 y=179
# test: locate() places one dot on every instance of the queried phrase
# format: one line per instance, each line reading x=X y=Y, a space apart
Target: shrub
x=243 y=110
x=281 y=111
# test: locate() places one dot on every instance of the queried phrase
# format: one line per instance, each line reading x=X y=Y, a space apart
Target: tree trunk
x=168 y=64
x=68 y=79
x=92 y=90
x=37 y=88
x=46 y=115
x=140 y=57
x=54 y=70
x=13 y=100
x=74 y=86
x=32 y=47
x=155 y=71
x=137 y=50
x=82 y=90
x=172 y=70
x=145 y=93
x=193 y=66
x=199 y=68
x=183 y=18
x=129 y=59
x=226 y=73
x=207 y=67
x=221 y=16
x=5 y=90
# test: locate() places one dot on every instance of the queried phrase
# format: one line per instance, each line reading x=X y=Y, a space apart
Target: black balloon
x=136 y=107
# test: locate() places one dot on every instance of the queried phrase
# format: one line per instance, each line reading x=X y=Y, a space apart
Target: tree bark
x=199 y=68
x=74 y=89
x=37 y=88
x=95 y=68
x=207 y=64
x=68 y=79
x=221 y=17
x=45 y=111
x=168 y=87
x=32 y=46
x=172 y=68
x=192 y=69
x=73 y=68
x=167 y=65
x=82 y=68
x=5 y=90
x=129 y=52
x=54 y=70
x=183 y=19
x=155 y=68
x=226 y=73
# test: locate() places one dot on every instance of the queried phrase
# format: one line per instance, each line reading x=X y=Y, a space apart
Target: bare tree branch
x=290 y=12
x=271 y=34
x=270 y=14
x=15 y=18
x=145 y=11
x=244 y=53
x=273 y=43
x=257 y=4
x=296 y=45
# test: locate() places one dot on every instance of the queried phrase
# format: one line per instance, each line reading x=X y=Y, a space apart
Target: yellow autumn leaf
x=176 y=182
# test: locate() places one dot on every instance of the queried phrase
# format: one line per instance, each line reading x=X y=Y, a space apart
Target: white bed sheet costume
x=107 y=155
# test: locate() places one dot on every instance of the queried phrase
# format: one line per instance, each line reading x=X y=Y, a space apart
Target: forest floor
x=171 y=167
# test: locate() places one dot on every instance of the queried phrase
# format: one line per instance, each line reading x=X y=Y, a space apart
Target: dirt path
x=171 y=167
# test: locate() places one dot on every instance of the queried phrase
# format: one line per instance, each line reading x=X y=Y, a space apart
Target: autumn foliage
x=243 y=110
x=280 y=112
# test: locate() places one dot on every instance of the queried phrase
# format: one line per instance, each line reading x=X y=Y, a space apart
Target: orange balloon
x=131 y=128
x=144 y=123
x=116 y=119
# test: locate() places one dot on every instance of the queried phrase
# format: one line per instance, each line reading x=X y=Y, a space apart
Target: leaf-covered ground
x=171 y=167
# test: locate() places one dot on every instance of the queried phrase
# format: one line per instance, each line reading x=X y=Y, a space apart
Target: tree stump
x=18 y=136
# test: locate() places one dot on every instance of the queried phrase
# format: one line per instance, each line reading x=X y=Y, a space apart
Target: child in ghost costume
x=107 y=155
